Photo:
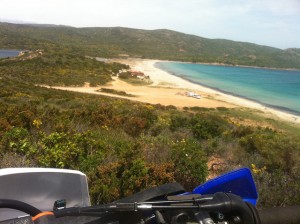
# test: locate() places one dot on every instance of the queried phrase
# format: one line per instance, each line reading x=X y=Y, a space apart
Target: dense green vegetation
x=158 y=44
x=125 y=146
x=59 y=69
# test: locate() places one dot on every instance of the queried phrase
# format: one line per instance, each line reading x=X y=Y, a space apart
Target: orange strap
x=41 y=215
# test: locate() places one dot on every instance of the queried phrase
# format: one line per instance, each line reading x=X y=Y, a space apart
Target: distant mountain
x=157 y=44
x=295 y=51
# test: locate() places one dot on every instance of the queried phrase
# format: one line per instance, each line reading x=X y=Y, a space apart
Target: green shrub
x=190 y=162
x=18 y=140
x=178 y=121
x=277 y=188
x=205 y=127
x=119 y=179
x=278 y=151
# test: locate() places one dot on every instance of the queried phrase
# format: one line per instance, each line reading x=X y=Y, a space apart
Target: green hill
x=158 y=44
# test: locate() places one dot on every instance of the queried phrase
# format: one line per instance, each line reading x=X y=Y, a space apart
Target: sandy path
x=153 y=94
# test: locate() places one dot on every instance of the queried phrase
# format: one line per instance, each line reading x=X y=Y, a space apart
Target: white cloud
x=286 y=7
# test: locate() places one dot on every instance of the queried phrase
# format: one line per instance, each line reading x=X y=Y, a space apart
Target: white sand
x=165 y=79
x=168 y=89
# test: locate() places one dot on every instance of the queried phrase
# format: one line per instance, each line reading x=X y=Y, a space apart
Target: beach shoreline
x=231 y=65
x=277 y=108
x=168 y=89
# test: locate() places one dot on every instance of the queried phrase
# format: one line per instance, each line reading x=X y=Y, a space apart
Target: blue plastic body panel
x=239 y=182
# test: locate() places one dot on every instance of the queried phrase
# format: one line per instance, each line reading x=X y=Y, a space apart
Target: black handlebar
x=280 y=215
x=221 y=202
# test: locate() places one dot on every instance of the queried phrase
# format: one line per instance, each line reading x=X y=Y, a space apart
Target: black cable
x=18 y=205
x=198 y=200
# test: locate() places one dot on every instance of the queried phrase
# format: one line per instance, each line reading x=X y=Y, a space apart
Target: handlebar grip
x=286 y=215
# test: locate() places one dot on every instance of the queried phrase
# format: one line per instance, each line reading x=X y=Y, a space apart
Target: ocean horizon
x=278 y=89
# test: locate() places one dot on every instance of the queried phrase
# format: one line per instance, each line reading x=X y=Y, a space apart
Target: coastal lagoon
x=278 y=89
x=8 y=53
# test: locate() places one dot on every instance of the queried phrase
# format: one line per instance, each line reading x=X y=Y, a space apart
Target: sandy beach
x=167 y=89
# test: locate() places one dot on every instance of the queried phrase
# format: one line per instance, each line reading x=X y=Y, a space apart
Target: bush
x=18 y=140
x=190 y=162
x=178 y=121
x=205 y=127
x=277 y=151
x=124 y=178
x=141 y=119
x=277 y=188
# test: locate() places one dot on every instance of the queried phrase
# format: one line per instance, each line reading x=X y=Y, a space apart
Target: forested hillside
x=125 y=146
x=157 y=44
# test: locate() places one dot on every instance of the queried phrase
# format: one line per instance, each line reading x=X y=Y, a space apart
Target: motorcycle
x=42 y=195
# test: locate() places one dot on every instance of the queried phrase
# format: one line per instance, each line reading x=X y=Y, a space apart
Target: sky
x=267 y=22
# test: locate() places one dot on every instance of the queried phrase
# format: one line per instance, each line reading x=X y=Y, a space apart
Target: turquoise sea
x=278 y=89
x=8 y=53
